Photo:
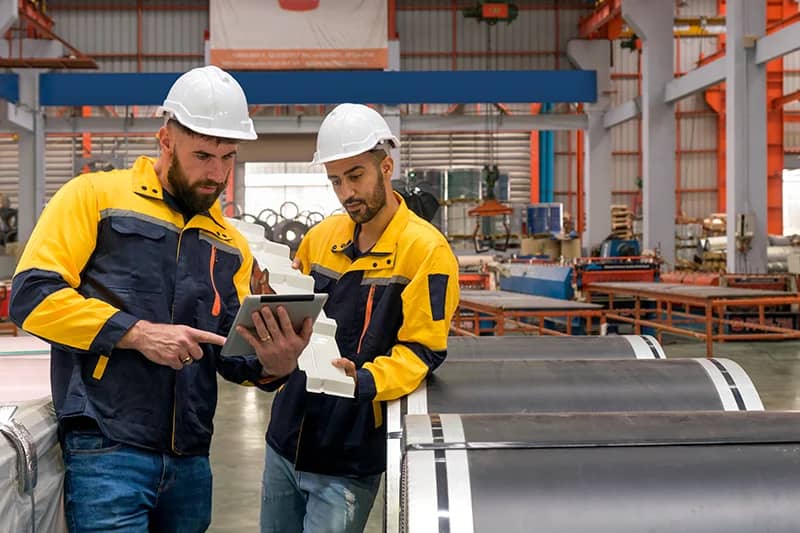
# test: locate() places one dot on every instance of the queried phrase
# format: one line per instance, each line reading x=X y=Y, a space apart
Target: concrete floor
x=237 y=453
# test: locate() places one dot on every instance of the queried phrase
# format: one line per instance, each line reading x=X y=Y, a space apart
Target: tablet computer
x=299 y=306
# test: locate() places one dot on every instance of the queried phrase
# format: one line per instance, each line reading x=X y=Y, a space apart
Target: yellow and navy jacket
x=393 y=306
x=107 y=251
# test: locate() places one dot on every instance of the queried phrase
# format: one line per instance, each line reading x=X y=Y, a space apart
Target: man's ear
x=165 y=140
x=387 y=167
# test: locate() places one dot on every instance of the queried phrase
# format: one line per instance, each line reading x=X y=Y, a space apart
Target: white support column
x=31 y=149
x=239 y=190
x=9 y=11
x=594 y=55
x=652 y=22
x=746 y=133
x=392 y=113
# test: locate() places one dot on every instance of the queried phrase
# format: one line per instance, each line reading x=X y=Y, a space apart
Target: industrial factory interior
x=400 y=266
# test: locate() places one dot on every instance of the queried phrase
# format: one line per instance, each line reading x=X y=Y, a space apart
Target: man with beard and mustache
x=392 y=285
x=133 y=276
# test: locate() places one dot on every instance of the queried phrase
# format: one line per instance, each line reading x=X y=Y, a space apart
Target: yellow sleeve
x=429 y=303
x=44 y=299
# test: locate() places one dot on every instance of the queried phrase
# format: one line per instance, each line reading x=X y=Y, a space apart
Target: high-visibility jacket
x=393 y=307
x=107 y=251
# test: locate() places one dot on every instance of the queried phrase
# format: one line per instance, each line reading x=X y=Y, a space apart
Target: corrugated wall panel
x=9 y=168
x=63 y=156
x=697 y=130
x=471 y=150
x=115 y=31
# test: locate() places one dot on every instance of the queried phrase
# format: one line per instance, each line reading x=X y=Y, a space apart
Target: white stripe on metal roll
x=394 y=419
x=418 y=430
x=655 y=346
x=724 y=390
x=416 y=403
x=394 y=459
x=423 y=509
x=459 y=490
x=752 y=400
x=418 y=400
x=641 y=349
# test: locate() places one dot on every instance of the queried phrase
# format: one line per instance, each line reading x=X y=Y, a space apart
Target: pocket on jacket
x=134 y=257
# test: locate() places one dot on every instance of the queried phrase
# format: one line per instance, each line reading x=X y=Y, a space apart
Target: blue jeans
x=113 y=487
x=297 y=502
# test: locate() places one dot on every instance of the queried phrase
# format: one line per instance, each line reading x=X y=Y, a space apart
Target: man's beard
x=372 y=205
x=188 y=197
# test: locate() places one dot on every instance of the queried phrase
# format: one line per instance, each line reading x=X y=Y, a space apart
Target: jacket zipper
x=367 y=316
x=216 y=308
x=172 y=319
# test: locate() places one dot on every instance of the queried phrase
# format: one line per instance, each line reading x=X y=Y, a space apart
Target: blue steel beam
x=9 y=87
x=329 y=87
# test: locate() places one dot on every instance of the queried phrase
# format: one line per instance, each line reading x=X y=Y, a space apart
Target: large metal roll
x=519 y=386
x=548 y=347
x=526 y=386
x=693 y=472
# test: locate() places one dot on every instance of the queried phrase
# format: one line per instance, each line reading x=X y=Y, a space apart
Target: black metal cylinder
x=526 y=386
x=583 y=385
x=548 y=347
x=693 y=472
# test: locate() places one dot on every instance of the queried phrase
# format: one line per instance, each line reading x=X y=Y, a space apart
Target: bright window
x=290 y=189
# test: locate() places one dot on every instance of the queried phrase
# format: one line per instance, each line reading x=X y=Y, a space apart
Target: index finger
x=206 y=336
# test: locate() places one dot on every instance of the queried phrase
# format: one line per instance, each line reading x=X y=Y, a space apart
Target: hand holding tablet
x=297 y=306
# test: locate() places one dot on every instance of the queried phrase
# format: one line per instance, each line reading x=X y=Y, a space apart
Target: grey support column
x=31 y=149
x=392 y=113
x=746 y=133
x=239 y=189
x=594 y=55
x=652 y=22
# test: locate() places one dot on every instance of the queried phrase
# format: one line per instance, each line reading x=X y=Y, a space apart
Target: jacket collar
x=146 y=183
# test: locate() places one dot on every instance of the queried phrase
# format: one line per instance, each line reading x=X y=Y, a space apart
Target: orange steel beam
x=579 y=219
x=534 y=165
x=606 y=19
x=86 y=138
x=786 y=98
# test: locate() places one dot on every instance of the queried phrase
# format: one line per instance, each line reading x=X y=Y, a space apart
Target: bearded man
x=133 y=276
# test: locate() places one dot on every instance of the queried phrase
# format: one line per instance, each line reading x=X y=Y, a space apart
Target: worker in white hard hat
x=392 y=285
x=134 y=276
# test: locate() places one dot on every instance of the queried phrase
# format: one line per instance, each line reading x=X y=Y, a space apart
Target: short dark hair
x=219 y=140
x=378 y=154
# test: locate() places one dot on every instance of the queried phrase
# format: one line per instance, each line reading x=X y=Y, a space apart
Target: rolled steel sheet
x=31 y=470
x=547 y=347
x=524 y=386
x=693 y=472
x=517 y=386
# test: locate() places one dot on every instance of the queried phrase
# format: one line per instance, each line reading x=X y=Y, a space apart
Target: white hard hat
x=351 y=129
x=207 y=100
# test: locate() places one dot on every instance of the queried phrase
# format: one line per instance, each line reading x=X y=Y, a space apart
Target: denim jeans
x=113 y=487
x=297 y=502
